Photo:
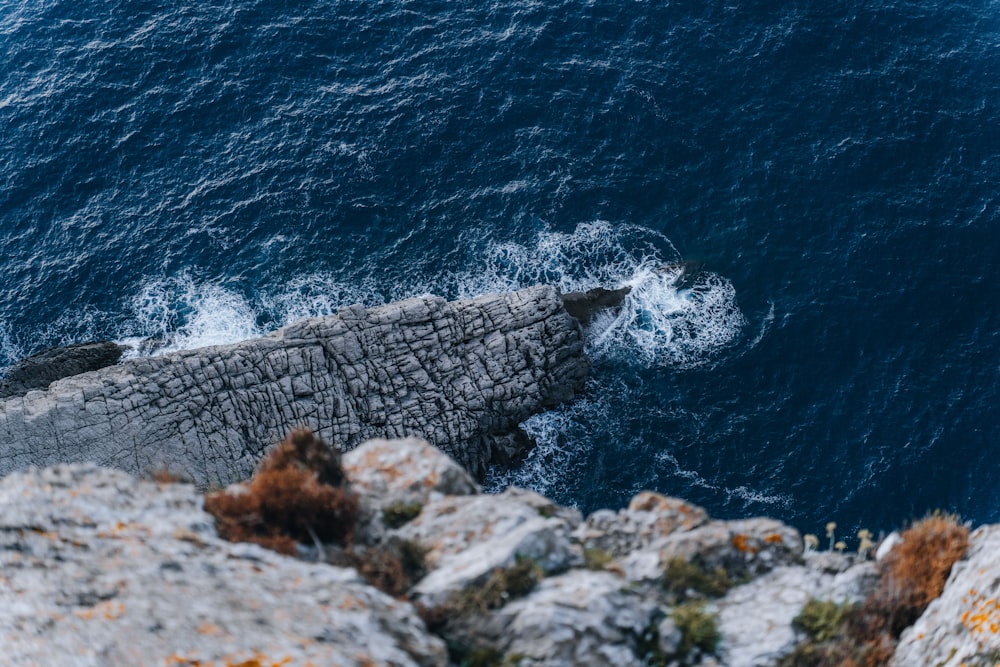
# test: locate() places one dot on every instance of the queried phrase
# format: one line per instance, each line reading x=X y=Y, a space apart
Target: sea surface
x=208 y=171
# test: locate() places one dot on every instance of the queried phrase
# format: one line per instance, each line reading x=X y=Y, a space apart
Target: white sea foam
x=182 y=313
x=10 y=350
x=549 y=465
x=661 y=324
x=592 y=255
x=314 y=295
x=744 y=493
x=668 y=319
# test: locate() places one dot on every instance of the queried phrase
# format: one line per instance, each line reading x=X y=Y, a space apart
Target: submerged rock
x=584 y=305
x=463 y=375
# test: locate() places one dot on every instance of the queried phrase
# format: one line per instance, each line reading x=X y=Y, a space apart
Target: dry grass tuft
x=302 y=450
x=295 y=496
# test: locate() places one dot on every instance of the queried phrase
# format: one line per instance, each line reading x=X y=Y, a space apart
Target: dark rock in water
x=584 y=305
x=43 y=368
x=687 y=273
x=462 y=374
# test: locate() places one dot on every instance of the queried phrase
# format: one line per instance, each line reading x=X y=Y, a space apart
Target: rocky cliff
x=462 y=374
x=99 y=568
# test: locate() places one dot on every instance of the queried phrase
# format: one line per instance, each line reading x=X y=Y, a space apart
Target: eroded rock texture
x=462 y=374
x=102 y=570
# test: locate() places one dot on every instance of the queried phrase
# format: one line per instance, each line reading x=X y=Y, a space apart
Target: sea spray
x=664 y=323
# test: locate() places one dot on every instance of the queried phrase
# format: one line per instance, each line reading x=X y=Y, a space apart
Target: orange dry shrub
x=911 y=577
x=914 y=574
x=295 y=496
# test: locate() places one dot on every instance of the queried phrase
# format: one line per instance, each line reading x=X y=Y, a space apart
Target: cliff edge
x=102 y=569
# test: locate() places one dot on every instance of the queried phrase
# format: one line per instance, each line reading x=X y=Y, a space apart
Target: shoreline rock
x=461 y=374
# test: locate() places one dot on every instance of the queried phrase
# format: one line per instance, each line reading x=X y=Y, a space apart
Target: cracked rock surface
x=98 y=568
x=460 y=374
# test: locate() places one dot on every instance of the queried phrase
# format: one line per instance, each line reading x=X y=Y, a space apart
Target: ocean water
x=208 y=171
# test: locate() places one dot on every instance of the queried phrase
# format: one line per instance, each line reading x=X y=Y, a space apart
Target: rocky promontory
x=461 y=374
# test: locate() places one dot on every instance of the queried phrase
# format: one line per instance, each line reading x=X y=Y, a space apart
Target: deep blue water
x=212 y=170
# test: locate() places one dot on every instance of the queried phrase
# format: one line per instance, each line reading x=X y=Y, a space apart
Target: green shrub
x=681 y=577
x=503 y=585
x=596 y=559
x=399 y=514
x=699 y=628
x=822 y=620
x=393 y=567
x=910 y=577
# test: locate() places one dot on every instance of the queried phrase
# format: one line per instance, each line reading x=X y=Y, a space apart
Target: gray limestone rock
x=655 y=528
x=463 y=375
x=755 y=619
x=748 y=547
x=98 y=569
x=469 y=536
x=648 y=517
x=391 y=474
x=578 y=619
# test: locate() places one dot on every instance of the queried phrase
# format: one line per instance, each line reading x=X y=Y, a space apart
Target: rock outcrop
x=98 y=568
x=462 y=374
x=962 y=627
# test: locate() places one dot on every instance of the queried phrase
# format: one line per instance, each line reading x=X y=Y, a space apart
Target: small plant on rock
x=596 y=559
x=822 y=620
x=393 y=567
x=910 y=577
x=503 y=585
x=295 y=497
x=683 y=577
x=699 y=628
x=459 y=620
x=399 y=514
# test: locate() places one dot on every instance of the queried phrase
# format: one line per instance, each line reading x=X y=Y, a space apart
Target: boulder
x=584 y=305
x=468 y=537
x=755 y=619
x=577 y=619
x=396 y=478
x=743 y=548
x=648 y=517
